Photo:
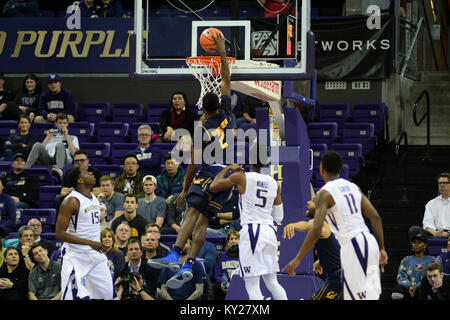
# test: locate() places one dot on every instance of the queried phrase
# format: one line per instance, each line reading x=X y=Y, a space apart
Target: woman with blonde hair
x=116 y=258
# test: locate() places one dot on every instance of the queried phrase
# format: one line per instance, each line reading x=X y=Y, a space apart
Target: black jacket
x=23 y=186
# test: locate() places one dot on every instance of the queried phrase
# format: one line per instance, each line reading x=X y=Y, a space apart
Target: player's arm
x=237 y=179
x=225 y=89
x=196 y=156
x=68 y=208
x=277 y=208
x=304 y=226
x=371 y=213
x=323 y=201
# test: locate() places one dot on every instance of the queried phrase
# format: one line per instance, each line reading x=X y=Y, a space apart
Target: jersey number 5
x=262 y=197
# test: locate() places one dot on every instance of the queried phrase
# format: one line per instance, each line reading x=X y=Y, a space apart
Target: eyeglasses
x=443 y=183
x=80 y=160
x=144 y=135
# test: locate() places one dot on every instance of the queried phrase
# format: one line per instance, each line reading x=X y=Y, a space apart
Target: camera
x=125 y=279
x=57 y=132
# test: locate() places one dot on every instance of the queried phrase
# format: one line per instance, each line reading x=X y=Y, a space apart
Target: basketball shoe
x=171 y=261
x=181 y=277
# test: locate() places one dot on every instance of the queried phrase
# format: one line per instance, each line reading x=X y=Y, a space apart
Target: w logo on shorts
x=247 y=269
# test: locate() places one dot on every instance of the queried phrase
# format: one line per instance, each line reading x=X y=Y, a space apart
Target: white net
x=207 y=72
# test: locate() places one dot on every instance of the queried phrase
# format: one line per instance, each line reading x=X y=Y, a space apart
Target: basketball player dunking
x=202 y=203
x=343 y=204
x=260 y=204
x=85 y=273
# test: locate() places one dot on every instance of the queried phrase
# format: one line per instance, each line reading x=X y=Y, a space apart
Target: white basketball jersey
x=345 y=217
x=85 y=224
x=256 y=203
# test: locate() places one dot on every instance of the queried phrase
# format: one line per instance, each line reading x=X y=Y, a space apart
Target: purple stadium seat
x=127 y=112
x=360 y=132
x=437 y=246
x=5 y=167
x=154 y=111
x=375 y=113
x=319 y=150
x=111 y=131
x=47 y=196
x=43 y=174
x=98 y=152
x=8 y=127
x=120 y=150
x=335 y=112
x=164 y=147
x=47 y=217
x=94 y=111
x=345 y=172
x=40 y=129
x=352 y=155
x=247 y=125
x=111 y=170
x=323 y=132
x=83 y=130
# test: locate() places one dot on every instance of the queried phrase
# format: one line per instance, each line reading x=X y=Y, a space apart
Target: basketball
x=207 y=38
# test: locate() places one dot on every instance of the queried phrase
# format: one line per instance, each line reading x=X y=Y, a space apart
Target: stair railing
x=427 y=157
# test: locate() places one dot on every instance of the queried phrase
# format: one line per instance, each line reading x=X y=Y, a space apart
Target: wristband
x=27 y=256
x=140 y=291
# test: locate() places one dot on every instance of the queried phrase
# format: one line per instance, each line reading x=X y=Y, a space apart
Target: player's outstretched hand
x=290 y=268
x=220 y=43
x=289 y=231
x=383 y=259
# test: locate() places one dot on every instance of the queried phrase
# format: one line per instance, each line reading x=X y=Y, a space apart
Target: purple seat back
x=109 y=170
x=335 y=112
x=360 y=132
x=112 y=131
x=322 y=132
x=98 y=152
x=8 y=127
x=47 y=196
x=40 y=129
x=165 y=148
x=375 y=113
x=42 y=174
x=352 y=155
x=47 y=217
x=120 y=150
x=154 y=111
x=127 y=112
x=83 y=130
x=94 y=111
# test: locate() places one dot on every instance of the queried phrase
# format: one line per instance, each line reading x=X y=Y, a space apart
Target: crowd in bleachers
x=137 y=180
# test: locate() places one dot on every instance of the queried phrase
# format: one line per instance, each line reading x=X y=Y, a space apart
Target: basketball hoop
x=207 y=71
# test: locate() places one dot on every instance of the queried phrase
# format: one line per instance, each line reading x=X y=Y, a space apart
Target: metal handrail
x=427 y=115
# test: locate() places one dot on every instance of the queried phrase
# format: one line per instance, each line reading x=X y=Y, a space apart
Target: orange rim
x=206 y=60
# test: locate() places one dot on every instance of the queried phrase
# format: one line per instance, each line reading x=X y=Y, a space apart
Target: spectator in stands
x=36 y=225
x=21 y=9
x=56 y=149
x=2 y=249
x=44 y=280
x=112 y=199
x=435 y=285
x=110 y=9
x=153 y=227
x=227 y=263
x=54 y=100
x=81 y=160
x=137 y=222
x=183 y=148
x=21 y=142
x=149 y=158
x=174 y=216
x=115 y=256
x=21 y=185
x=171 y=179
x=123 y=234
x=249 y=109
x=87 y=8
x=5 y=96
x=152 y=249
x=191 y=290
x=26 y=240
x=178 y=115
x=444 y=259
x=137 y=265
x=227 y=219
x=436 y=220
x=7 y=211
x=27 y=101
x=412 y=269
x=130 y=182
x=152 y=207
x=103 y=214
x=207 y=256
x=13 y=276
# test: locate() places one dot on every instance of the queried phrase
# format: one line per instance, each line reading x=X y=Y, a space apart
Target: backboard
x=265 y=48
